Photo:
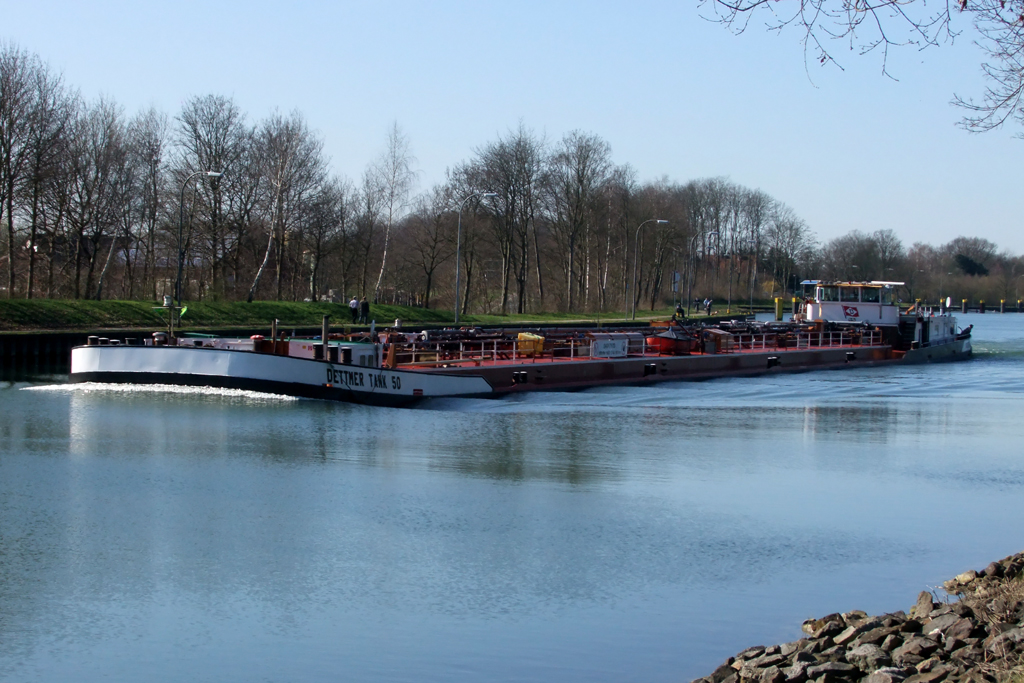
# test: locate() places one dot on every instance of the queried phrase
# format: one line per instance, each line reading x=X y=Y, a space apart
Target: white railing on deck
x=520 y=351
x=834 y=339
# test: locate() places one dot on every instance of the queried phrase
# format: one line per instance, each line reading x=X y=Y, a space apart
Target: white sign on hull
x=609 y=348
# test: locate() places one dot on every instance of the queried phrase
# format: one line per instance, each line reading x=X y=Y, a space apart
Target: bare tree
x=890 y=253
x=881 y=25
x=1000 y=25
x=367 y=223
x=329 y=219
x=622 y=220
x=52 y=114
x=296 y=171
x=393 y=177
x=18 y=71
x=511 y=167
x=853 y=256
x=758 y=204
x=96 y=159
x=120 y=191
x=211 y=136
x=148 y=133
x=465 y=182
x=871 y=26
x=789 y=244
x=972 y=255
x=579 y=168
x=246 y=203
x=430 y=236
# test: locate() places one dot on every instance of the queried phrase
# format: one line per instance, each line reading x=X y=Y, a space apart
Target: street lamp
x=693 y=268
x=458 y=245
x=636 y=255
x=750 y=271
x=181 y=223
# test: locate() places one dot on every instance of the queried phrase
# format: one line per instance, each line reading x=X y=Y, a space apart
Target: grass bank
x=18 y=315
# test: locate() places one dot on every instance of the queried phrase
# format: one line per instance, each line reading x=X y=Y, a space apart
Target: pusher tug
x=842 y=324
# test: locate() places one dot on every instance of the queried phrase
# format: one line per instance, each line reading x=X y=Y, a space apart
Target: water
x=604 y=535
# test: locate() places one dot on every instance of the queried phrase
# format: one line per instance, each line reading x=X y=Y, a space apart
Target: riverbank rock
x=975 y=634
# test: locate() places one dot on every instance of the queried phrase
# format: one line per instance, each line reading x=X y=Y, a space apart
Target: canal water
x=632 y=534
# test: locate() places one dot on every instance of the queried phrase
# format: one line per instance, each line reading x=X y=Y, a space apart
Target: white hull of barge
x=267 y=373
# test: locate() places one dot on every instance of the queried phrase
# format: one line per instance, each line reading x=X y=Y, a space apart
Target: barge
x=841 y=325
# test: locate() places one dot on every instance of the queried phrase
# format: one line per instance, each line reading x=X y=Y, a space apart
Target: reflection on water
x=608 y=535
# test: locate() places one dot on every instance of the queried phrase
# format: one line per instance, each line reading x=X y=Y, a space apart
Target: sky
x=674 y=95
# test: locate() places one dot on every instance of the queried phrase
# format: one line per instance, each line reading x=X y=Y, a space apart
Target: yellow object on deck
x=778 y=308
x=530 y=344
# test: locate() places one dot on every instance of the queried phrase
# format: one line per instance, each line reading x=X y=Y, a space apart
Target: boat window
x=849 y=294
x=888 y=296
x=870 y=294
x=828 y=294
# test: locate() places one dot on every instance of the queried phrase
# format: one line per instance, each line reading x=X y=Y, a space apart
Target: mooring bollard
x=325 y=334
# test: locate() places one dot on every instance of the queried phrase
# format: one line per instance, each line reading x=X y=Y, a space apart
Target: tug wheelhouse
x=873 y=303
x=921 y=333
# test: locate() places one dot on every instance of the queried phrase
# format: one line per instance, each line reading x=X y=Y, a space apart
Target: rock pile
x=976 y=637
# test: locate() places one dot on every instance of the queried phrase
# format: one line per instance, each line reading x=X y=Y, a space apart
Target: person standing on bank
x=354 y=308
x=364 y=311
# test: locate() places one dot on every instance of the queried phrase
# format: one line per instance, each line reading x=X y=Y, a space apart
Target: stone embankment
x=975 y=634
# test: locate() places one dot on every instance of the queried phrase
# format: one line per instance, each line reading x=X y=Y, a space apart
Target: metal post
x=636 y=257
x=325 y=334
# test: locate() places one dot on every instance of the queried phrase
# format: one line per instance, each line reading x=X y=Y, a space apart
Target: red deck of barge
x=512 y=365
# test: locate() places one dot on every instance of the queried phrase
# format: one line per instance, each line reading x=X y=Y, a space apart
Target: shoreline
x=34 y=316
x=976 y=635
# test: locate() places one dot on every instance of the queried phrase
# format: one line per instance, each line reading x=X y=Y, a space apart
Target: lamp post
x=750 y=271
x=636 y=255
x=458 y=246
x=181 y=223
x=693 y=268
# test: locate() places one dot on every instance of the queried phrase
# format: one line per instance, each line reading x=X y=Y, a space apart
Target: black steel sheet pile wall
x=24 y=356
